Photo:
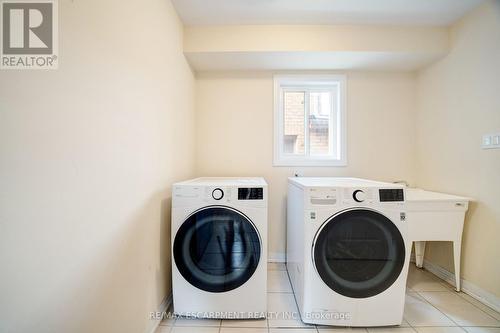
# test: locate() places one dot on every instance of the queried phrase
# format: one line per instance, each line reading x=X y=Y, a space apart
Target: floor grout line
x=466 y=300
x=450 y=288
x=280 y=292
x=477 y=307
x=434 y=306
x=426 y=326
x=409 y=323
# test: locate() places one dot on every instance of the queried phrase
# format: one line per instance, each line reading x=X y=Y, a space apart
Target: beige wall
x=458 y=102
x=234 y=114
x=88 y=153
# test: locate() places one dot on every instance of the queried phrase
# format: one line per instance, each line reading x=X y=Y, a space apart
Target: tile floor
x=432 y=306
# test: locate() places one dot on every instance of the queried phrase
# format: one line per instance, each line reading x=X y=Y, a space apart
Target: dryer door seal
x=217 y=249
x=359 y=253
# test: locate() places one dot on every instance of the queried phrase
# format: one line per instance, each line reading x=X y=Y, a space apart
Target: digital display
x=250 y=193
x=391 y=195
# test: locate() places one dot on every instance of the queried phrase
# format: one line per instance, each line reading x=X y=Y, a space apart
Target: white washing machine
x=347 y=250
x=219 y=247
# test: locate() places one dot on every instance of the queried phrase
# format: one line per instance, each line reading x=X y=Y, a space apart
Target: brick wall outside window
x=294 y=127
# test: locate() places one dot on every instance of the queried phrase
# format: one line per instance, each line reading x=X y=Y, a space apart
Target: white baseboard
x=276 y=257
x=469 y=288
x=165 y=304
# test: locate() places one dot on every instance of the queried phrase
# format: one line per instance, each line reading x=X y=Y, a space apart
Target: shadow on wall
x=122 y=278
x=284 y=213
x=164 y=276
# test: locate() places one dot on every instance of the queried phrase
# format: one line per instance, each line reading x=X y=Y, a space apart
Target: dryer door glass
x=359 y=253
x=217 y=249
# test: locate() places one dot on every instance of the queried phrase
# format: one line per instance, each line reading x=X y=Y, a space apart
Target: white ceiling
x=387 y=12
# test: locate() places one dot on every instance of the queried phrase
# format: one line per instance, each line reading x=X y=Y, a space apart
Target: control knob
x=217 y=194
x=359 y=196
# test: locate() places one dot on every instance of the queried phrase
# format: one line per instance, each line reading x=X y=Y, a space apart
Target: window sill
x=282 y=162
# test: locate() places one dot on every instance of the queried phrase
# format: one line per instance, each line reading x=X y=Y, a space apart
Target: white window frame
x=311 y=83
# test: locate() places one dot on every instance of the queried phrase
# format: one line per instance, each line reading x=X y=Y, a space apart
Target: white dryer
x=347 y=250
x=219 y=247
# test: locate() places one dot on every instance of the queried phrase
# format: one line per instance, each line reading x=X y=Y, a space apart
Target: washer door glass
x=359 y=253
x=217 y=249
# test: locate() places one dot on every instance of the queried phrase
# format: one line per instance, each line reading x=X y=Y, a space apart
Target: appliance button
x=217 y=194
